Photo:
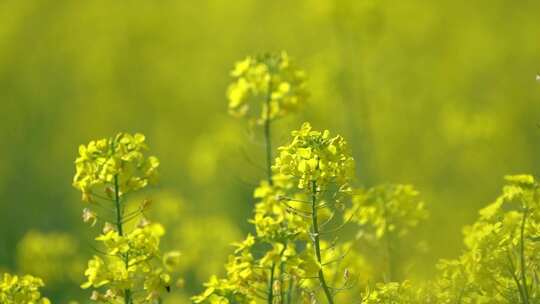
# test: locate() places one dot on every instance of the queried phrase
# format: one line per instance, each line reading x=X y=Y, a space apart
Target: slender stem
x=512 y=270
x=268 y=135
x=268 y=146
x=522 y=258
x=282 y=288
x=272 y=275
x=316 y=242
x=281 y=272
x=270 y=284
x=290 y=291
x=119 y=225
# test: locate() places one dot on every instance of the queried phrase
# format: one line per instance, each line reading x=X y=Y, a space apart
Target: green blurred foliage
x=437 y=94
x=55 y=258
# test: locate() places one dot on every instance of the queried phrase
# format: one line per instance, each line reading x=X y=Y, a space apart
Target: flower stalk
x=317 y=244
x=120 y=227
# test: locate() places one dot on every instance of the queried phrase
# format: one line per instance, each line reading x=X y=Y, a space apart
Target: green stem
x=270 y=284
x=268 y=136
x=316 y=242
x=281 y=290
x=290 y=291
x=118 y=208
x=522 y=258
x=512 y=270
x=281 y=272
x=268 y=146
x=272 y=275
x=127 y=298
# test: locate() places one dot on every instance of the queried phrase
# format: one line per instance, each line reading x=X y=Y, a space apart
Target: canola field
x=278 y=152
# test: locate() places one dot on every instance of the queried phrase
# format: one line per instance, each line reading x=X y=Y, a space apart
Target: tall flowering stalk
x=131 y=268
x=264 y=88
x=320 y=168
x=273 y=83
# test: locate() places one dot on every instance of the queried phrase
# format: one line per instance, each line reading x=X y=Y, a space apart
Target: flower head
x=21 y=289
x=265 y=87
x=145 y=267
x=390 y=208
x=316 y=157
x=110 y=162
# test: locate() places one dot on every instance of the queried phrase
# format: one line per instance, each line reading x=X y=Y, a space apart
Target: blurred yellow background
x=439 y=94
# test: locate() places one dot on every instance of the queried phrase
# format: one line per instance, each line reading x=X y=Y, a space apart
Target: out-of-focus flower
x=21 y=289
x=53 y=256
x=266 y=87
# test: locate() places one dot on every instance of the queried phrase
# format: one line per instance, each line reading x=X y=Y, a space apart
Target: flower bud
x=171 y=259
x=109 y=192
x=277 y=287
x=96 y=296
x=180 y=283
x=146 y=204
x=89 y=216
x=108 y=227
x=86 y=197
x=143 y=222
x=346 y=275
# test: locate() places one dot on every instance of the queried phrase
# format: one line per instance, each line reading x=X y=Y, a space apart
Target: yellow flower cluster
x=277 y=227
x=316 y=157
x=143 y=270
x=274 y=220
x=284 y=260
x=131 y=269
x=114 y=162
x=266 y=87
x=21 y=289
x=247 y=275
x=243 y=279
x=388 y=209
x=500 y=263
x=393 y=292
